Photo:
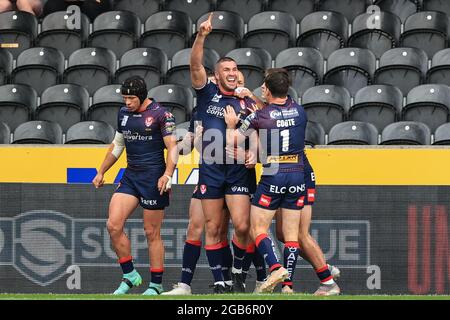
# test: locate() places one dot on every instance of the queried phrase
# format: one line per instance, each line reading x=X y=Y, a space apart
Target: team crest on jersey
x=148 y=121
x=216 y=97
x=203 y=188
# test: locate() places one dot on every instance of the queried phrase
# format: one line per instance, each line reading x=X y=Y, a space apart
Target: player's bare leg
x=152 y=227
x=120 y=208
x=239 y=207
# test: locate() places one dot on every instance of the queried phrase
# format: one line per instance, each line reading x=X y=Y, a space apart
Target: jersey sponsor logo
x=124 y=120
x=290 y=113
x=301 y=201
x=149 y=202
x=265 y=200
x=148 y=121
x=215 y=111
x=292 y=158
x=239 y=189
x=275 y=114
x=216 y=98
x=291 y=189
x=311 y=195
x=203 y=188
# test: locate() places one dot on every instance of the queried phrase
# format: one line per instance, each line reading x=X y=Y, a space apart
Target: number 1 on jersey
x=285 y=141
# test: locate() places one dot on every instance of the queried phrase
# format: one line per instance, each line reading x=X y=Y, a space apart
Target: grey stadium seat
x=17 y=104
x=381 y=35
x=426 y=30
x=193 y=8
x=305 y=66
x=349 y=8
x=5 y=133
x=38 y=132
x=39 y=67
x=253 y=63
x=353 y=132
x=404 y=68
x=90 y=132
x=6 y=65
x=315 y=134
x=65 y=104
x=378 y=104
x=246 y=8
x=106 y=103
x=298 y=8
x=324 y=30
x=58 y=32
x=440 y=68
x=18 y=30
x=442 y=134
x=429 y=104
x=326 y=104
x=227 y=32
x=142 y=8
x=402 y=8
x=169 y=31
x=273 y=31
x=177 y=99
x=352 y=68
x=406 y=132
x=149 y=63
x=291 y=92
x=436 y=5
x=90 y=67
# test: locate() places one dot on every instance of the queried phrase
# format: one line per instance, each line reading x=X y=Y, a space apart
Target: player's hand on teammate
x=164 y=184
x=98 y=181
x=237 y=153
x=206 y=26
x=242 y=92
x=230 y=116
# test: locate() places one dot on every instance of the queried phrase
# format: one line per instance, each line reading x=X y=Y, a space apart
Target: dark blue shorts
x=143 y=184
x=217 y=180
x=282 y=190
x=310 y=182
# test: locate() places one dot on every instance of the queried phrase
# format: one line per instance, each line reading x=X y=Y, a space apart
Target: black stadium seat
x=440 y=68
x=5 y=133
x=90 y=132
x=442 y=134
x=353 y=132
x=6 y=65
x=436 y=5
x=326 y=104
x=17 y=104
x=18 y=30
x=142 y=8
x=177 y=99
x=39 y=67
x=349 y=8
x=58 y=32
x=291 y=93
x=38 y=132
x=169 y=31
x=315 y=134
x=193 y=8
x=106 y=103
x=406 y=132
x=246 y=8
x=378 y=104
x=298 y=8
x=65 y=104
x=402 y=8
x=149 y=63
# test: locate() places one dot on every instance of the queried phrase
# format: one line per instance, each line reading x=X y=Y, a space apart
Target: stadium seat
x=106 y=103
x=436 y=5
x=149 y=63
x=6 y=64
x=378 y=104
x=17 y=104
x=324 y=30
x=39 y=67
x=177 y=99
x=299 y=8
x=404 y=68
x=273 y=31
x=378 y=32
x=253 y=63
x=402 y=8
x=349 y=8
x=5 y=133
x=90 y=67
x=118 y=31
x=426 y=30
x=18 y=30
x=90 y=132
x=429 y=104
x=180 y=73
x=353 y=132
x=142 y=8
x=326 y=104
x=439 y=72
x=245 y=8
x=352 y=68
x=227 y=32
x=315 y=134
x=38 y=132
x=193 y=8
x=65 y=104
x=442 y=134
x=58 y=32
x=305 y=66
x=291 y=93
x=406 y=132
x=169 y=31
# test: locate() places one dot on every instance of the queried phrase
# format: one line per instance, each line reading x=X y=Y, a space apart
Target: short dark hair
x=277 y=81
x=224 y=59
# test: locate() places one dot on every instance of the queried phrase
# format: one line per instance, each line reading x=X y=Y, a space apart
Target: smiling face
x=227 y=75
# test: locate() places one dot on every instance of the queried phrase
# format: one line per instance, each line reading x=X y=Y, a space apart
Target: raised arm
x=198 y=72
